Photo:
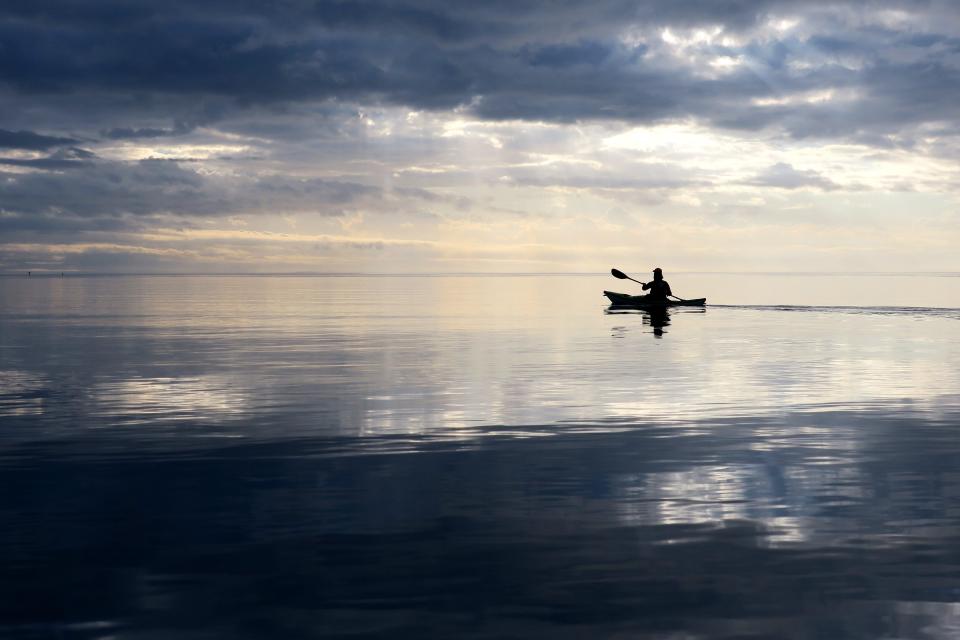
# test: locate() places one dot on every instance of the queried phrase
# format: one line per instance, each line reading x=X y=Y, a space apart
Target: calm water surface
x=300 y=457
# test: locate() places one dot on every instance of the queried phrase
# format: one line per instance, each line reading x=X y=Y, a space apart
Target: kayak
x=626 y=300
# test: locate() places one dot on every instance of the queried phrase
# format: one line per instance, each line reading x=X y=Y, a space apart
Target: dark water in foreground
x=478 y=457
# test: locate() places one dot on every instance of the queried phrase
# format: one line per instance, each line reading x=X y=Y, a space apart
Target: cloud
x=632 y=176
x=559 y=62
x=783 y=176
x=131 y=133
x=105 y=195
x=71 y=158
x=420 y=118
x=31 y=141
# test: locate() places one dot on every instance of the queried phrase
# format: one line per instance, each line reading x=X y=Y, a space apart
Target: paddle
x=620 y=275
x=616 y=273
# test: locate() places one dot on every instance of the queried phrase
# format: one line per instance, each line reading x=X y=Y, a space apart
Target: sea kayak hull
x=626 y=300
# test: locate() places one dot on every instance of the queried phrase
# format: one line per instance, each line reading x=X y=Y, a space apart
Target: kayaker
x=659 y=288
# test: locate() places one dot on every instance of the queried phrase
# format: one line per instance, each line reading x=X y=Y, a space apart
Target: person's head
x=658 y=274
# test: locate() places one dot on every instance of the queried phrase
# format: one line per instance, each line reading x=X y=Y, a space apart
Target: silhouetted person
x=659 y=288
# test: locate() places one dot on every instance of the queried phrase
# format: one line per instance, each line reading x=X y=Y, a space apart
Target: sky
x=404 y=136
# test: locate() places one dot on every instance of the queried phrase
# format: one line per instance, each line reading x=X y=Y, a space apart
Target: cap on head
x=658 y=270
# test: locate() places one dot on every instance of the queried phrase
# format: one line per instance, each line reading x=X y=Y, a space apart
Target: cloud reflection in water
x=407 y=457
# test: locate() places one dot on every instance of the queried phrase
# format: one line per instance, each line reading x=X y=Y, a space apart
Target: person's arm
x=646 y=285
x=666 y=286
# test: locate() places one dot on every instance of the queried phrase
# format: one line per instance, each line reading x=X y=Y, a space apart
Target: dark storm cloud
x=103 y=189
x=71 y=158
x=107 y=189
x=59 y=227
x=245 y=59
x=30 y=140
x=556 y=61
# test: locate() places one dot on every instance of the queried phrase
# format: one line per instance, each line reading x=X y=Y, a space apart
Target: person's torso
x=659 y=288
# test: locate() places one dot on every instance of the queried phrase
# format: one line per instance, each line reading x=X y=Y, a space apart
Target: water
x=263 y=457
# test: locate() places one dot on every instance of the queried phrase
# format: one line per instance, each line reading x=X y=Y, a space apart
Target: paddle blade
x=616 y=273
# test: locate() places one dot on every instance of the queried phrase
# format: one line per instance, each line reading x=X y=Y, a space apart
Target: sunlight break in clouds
x=427 y=136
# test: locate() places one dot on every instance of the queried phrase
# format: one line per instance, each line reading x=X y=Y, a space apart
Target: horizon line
x=360 y=274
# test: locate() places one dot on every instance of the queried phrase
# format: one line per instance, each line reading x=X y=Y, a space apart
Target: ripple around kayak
x=626 y=300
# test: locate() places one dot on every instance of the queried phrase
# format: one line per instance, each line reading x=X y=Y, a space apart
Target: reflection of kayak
x=626 y=300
